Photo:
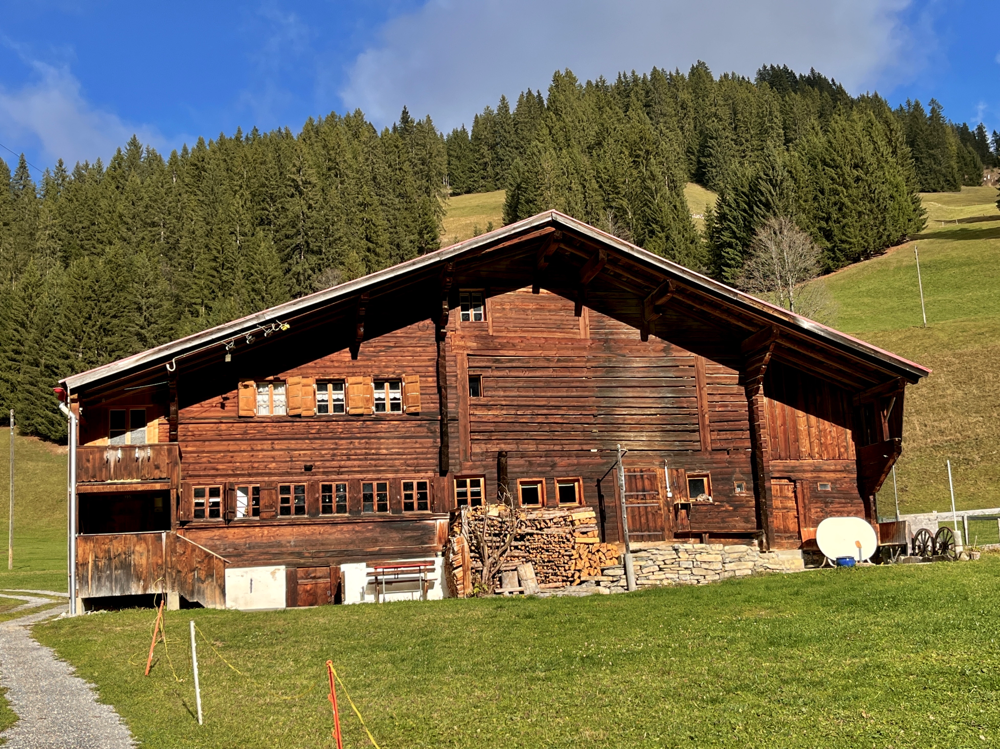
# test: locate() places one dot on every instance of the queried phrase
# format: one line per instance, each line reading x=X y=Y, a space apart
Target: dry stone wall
x=695 y=564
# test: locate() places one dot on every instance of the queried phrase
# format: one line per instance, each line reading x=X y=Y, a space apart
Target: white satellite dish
x=840 y=537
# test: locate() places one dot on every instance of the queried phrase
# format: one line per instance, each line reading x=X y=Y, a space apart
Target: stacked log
x=562 y=544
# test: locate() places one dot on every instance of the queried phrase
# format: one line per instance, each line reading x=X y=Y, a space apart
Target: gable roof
x=630 y=267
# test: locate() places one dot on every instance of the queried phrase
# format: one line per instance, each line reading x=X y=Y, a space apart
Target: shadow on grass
x=959 y=235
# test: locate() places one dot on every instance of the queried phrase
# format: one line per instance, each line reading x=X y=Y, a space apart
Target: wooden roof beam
x=652 y=304
x=545 y=252
x=593 y=266
x=884 y=390
x=757 y=351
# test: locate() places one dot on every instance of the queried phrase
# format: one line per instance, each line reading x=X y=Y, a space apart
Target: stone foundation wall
x=696 y=564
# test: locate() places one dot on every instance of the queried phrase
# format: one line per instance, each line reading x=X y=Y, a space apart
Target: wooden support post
x=359 y=325
x=441 y=333
x=701 y=383
x=757 y=351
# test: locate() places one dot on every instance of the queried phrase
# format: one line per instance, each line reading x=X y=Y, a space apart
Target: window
x=388 y=396
x=475 y=386
x=531 y=492
x=127 y=426
x=333 y=499
x=569 y=491
x=825 y=487
x=207 y=502
x=330 y=397
x=292 y=499
x=271 y=399
x=740 y=486
x=248 y=501
x=473 y=309
x=375 y=496
x=469 y=492
x=699 y=488
x=416 y=497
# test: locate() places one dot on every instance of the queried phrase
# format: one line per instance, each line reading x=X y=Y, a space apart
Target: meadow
x=900 y=656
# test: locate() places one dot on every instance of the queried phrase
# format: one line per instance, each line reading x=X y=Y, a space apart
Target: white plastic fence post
x=197 y=686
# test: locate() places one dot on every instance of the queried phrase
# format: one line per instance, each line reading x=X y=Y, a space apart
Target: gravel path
x=57 y=709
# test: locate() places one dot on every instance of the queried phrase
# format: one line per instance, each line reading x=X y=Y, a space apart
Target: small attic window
x=825 y=486
x=699 y=487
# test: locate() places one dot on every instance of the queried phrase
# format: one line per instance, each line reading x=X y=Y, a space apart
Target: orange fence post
x=333 y=702
x=156 y=631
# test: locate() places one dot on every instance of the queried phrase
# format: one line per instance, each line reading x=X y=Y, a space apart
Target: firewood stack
x=562 y=544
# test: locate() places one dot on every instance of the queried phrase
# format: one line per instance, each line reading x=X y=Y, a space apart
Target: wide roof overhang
x=571 y=258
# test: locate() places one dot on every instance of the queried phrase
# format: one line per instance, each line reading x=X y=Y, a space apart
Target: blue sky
x=78 y=78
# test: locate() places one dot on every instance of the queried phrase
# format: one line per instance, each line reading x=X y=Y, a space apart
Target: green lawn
x=955 y=413
x=900 y=656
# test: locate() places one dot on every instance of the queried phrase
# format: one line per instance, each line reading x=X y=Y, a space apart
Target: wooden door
x=311 y=586
x=785 y=514
x=644 y=504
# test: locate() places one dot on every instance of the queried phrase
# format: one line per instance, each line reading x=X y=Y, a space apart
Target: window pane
x=423 y=497
x=697 y=487
x=461 y=492
x=119 y=426
x=215 y=502
x=278 y=389
x=409 y=500
x=380 y=397
x=263 y=399
x=465 y=303
x=137 y=426
x=476 y=492
x=300 y=499
x=368 y=497
x=396 y=396
x=531 y=494
x=285 y=500
x=478 y=313
x=242 y=501
x=322 y=399
x=567 y=492
x=337 y=397
x=326 y=499
x=341 y=499
x=199 y=502
x=475 y=386
x=382 y=496
x=255 y=501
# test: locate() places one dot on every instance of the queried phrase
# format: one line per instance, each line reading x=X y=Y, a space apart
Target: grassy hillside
x=470 y=215
x=908 y=659
x=698 y=200
x=955 y=413
x=39 y=513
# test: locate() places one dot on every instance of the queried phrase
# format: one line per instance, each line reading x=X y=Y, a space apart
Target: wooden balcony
x=128 y=467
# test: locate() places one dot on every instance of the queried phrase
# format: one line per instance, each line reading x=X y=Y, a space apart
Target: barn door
x=785 y=511
x=312 y=586
x=644 y=504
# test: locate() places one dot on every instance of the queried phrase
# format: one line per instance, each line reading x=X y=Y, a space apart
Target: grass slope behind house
x=955 y=413
x=39 y=513
x=900 y=656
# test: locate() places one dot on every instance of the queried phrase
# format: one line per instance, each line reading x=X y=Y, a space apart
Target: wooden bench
x=403 y=572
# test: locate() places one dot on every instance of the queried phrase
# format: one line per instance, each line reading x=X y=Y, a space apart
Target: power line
x=19 y=155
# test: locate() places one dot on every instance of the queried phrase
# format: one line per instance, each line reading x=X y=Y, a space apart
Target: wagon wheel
x=923 y=543
x=944 y=543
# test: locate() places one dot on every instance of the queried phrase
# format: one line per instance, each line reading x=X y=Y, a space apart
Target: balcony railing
x=128 y=463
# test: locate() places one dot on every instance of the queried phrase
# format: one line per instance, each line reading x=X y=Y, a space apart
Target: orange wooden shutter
x=246 y=400
x=268 y=502
x=308 y=396
x=411 y=393
x=360 y=396
x=230 y=511
x=185 y=508
x=293 y=393
x=153 y=432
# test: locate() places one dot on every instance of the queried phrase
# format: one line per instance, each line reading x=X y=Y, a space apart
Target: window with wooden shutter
x=293 y=392
x=229 y=511
x=268 y=502
x=185 y=505
x=411 y=394
x=246 y=400
x=360 y=396
x=308 y=396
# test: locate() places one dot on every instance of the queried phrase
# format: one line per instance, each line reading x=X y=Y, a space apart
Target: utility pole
x=920 y=284
x=10 y=522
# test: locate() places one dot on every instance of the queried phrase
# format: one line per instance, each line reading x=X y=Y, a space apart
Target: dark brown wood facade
x=740 y=420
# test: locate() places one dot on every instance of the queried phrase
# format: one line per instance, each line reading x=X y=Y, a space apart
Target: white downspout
x=71 y=492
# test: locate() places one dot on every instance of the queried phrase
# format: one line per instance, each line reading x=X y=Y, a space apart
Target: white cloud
x=450 y=58
x=52 y=112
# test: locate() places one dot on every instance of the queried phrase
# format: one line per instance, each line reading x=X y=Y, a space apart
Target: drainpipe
x=71 y=492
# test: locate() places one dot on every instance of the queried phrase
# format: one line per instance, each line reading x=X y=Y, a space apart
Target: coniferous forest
x=104 y=260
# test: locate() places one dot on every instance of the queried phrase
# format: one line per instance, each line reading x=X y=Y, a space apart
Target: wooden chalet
x=315 y=451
